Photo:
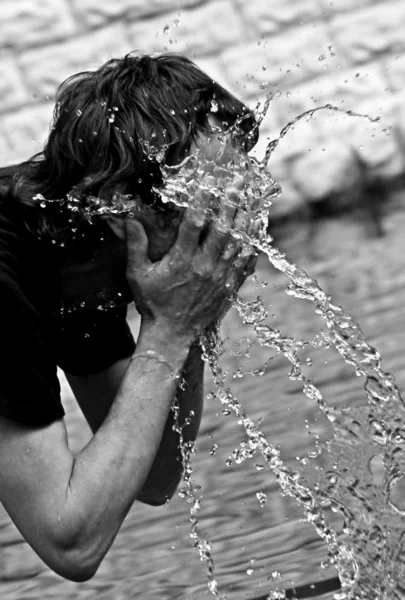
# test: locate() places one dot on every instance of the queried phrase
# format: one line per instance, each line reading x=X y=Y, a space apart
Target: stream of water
x=370 y=564
x=371 y=560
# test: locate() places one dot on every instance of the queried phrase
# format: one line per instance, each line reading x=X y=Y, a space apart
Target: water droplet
x=38 y=197
x=166 y=29
x=228 y=462
x=331 y=477
x=331 y=51
x=238 y=373
x=377 y=469
x=397 y=494
x=214 y=106
x=321 y=57
x=250 y=571
x=262 y=498
x=213 y=449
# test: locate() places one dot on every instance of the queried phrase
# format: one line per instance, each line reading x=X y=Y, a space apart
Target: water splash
x=289 y=480
x=374 y=529
x=365 y=564
x=188 y=492
x=272 y=145
x=371 y=563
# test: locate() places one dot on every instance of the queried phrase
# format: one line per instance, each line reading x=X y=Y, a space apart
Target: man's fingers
x=239 y=182
x=257 y=231
x=242 y=222
x=242 y=268
x=137 y=243
x=218 y=239
x=189 y=233
x=250 y=265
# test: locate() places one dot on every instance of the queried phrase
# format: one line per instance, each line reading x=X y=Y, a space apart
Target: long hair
x=109 y=126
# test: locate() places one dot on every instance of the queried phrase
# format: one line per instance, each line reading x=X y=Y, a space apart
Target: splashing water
x=371 y=564
x=308 y=113
x=202 y=545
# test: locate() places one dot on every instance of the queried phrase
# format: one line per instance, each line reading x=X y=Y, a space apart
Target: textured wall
x=308 y=52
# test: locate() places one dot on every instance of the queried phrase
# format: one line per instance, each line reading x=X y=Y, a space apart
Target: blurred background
x=340 y=216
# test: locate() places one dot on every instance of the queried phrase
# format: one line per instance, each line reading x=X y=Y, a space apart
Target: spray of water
x=367 y=566
x=188 y=492
x=372 y=564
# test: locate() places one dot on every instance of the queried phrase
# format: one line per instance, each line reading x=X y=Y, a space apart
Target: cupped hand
x=191 y=286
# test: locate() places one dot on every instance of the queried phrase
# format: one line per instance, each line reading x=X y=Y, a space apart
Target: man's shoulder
x=6 y=177
x=8 y=172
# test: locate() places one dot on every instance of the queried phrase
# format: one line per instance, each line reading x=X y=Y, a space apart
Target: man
x=66 y=277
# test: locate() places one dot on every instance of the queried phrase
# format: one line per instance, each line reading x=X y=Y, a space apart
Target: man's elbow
x=72 y=559
x=75 y=573
x=74 y=567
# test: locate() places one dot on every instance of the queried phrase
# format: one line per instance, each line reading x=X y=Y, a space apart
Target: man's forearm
x=108 y=474
x=167 y=467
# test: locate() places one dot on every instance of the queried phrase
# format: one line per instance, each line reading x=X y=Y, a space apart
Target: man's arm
x=167 y=468
x=70 y=509
x=95 y=394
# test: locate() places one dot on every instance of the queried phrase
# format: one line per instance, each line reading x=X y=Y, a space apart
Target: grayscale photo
x=202 y=299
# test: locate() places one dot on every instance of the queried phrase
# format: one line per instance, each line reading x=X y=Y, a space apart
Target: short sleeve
x=29 y=386
x=90 y=341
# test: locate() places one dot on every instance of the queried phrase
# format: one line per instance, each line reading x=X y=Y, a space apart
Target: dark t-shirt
x=35 y=337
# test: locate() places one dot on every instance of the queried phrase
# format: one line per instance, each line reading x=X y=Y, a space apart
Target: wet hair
x=110 y=124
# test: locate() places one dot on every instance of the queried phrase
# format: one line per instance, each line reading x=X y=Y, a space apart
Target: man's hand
x=190 y=287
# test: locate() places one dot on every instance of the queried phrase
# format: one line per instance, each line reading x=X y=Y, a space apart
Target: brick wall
x=307 y=52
